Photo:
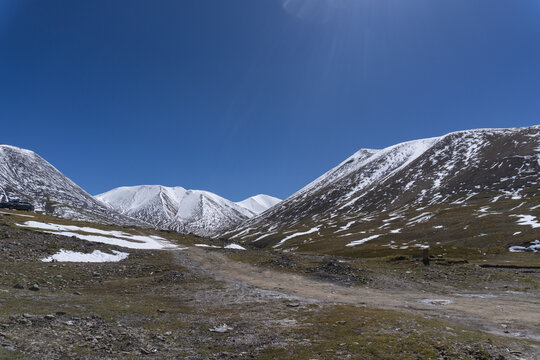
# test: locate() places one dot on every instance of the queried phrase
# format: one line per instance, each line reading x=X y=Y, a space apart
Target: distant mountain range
x=462 y=186
x=479 y=188
x=24 y=175
x=187 y=211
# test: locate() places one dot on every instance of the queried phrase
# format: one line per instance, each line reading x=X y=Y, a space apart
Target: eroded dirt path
x=507 y=314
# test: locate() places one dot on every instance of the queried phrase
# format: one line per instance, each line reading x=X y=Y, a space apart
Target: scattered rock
x=224 y=328
x=34 y=287
x=148 y=351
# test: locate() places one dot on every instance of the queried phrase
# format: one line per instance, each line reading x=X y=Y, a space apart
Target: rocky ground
x=164 y=304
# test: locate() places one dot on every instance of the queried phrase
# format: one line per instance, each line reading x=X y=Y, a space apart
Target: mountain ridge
x=176 y=208
x=27 y=176
x=456 y=168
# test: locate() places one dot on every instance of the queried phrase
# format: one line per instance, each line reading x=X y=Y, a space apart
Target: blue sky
x=242 y=97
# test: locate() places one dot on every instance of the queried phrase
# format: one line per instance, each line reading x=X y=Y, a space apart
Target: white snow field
x=95 y=257
x=117 y=238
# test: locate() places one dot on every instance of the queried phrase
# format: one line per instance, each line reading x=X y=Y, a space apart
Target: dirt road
x=507 y=314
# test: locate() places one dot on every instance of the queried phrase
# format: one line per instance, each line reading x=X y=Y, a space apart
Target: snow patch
x=346 y=227
x=362 y=241
x=311 y=231
x=528 y=220
x=95 y=257
x=534 y=246
x=208 y=246
x=235 y=247
x=113 y=237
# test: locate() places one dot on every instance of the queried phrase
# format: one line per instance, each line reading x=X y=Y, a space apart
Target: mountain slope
x=475 y=177
x=26 y=176
x=188 y=211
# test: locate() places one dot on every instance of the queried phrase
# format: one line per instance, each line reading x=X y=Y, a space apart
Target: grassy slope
x=453 y=230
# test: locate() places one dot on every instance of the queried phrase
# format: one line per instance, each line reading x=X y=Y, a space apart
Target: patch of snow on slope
x=311 y=231
x=208 y=246
x=534 y=246
x=263 y=236
x=242 y=233
x=360 y=242
x=117 y=238
x=528 y=220
x=346 y=227
x=94 y=257
x=420 y=218
x=235 y=247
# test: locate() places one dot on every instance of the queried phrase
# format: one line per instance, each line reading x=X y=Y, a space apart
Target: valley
x=163 y=303
x=427 y=249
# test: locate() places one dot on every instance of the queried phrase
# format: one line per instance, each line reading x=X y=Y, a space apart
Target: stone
x=34 y=287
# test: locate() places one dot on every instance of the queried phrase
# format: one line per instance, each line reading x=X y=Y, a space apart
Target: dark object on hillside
x=425 y=257
x=398 y=258
x=17 y=205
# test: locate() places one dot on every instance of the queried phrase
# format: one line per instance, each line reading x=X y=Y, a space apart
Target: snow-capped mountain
x=187 y=211
x=24 y=175
x=259 y=203
x=375 y=192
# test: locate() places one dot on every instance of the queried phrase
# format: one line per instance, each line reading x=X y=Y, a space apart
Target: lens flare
x=317 y=11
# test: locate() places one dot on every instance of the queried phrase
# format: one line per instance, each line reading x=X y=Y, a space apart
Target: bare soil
x=512 y=314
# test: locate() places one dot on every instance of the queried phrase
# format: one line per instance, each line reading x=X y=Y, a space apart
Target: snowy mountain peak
x=175 y=208
x=259 y=203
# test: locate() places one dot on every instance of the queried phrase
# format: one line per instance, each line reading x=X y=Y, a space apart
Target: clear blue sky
x=241 y=97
